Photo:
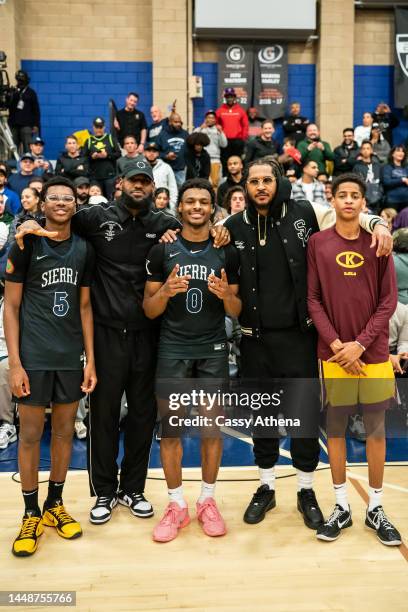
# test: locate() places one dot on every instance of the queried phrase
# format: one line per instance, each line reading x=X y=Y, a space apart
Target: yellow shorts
x=374 y=390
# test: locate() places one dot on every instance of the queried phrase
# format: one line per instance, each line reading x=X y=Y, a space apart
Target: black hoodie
x=273 y=277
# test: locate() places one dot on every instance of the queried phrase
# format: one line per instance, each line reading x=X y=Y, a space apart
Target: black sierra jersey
x=50 y=322
x=193 y=325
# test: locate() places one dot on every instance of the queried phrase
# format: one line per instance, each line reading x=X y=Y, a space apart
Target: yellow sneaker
x=66 y=526
x=26 y=542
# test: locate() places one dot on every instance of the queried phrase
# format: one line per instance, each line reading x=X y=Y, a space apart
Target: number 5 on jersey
x=61 y=305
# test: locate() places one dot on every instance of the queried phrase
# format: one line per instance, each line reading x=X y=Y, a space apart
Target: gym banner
x=271 y=80
x=401 y=58
x=235 y=69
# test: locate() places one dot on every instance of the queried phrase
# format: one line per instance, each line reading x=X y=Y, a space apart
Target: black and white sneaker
x=386 y=532
x=102 y=510
x=338 y=520
x=138 y=504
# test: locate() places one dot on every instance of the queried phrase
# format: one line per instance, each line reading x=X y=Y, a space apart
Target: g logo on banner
x=235 y=53
x=401 y=45
x=270 y=55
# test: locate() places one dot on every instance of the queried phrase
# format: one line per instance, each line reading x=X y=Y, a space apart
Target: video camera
x=6 y=90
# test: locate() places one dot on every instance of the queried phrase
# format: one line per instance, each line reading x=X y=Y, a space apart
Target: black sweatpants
x=125 y=362
x=281 y=354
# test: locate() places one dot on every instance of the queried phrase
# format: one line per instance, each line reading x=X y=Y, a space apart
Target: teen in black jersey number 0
x=48 y=324
x=193 y=285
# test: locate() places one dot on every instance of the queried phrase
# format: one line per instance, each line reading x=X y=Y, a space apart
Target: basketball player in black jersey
x=193 y=285
x=48 y=324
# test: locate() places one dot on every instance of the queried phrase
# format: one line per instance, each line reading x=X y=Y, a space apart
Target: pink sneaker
x=174 y=518
x=210 y=518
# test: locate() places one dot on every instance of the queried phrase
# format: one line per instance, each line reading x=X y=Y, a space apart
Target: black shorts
x=175 y=376
x=53 y=387
x=212 y=367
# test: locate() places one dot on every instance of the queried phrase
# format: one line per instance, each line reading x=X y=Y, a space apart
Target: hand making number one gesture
x=176 y=284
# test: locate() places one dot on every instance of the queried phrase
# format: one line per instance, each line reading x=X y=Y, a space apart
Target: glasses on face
x=58 y=197
x=256 y=182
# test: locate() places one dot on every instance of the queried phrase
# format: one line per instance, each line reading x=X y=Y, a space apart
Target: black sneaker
x=331 y=529
x=138 y=504
x=102 y=510
x=386 y=532
x=262 y=501
x=308 y=506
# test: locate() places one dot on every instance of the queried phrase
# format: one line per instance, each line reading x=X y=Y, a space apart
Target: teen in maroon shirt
x=352 y=295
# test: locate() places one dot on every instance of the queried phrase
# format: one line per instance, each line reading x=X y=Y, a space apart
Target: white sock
x=304 y=480
x=374 y=498
x=176 y=495
x=267 y=477
x=207 y=490
x=340 y=492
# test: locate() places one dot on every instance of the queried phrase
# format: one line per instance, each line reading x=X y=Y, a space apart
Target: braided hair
x=269 y=160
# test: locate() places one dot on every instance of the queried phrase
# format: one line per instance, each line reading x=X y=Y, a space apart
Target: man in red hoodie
x=234 y=122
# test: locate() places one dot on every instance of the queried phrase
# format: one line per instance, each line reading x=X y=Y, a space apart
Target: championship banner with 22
x=235 y=69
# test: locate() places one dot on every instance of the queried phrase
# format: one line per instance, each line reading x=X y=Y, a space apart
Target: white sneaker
x=101 y=512
x=80 y=430
x=8 y=434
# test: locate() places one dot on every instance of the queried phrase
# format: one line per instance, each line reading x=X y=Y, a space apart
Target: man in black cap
x=125 y=339
x=20 y=180
x=102 y=152
x=234 y=122
x=24 y=112
x=41 y=164
x=82 y=184
x=162 y=172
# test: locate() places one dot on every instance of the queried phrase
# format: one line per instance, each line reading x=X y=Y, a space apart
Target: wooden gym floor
x=275 y=565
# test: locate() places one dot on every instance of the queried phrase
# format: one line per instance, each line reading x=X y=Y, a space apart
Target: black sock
x=31 y=502
x=54 y=493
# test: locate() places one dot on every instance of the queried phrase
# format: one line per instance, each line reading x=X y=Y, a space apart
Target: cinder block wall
x=72 y=93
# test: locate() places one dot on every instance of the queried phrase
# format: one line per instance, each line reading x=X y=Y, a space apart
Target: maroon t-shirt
x=352 y=293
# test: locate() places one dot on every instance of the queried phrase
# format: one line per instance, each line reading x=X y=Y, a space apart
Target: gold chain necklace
x=262 y=241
